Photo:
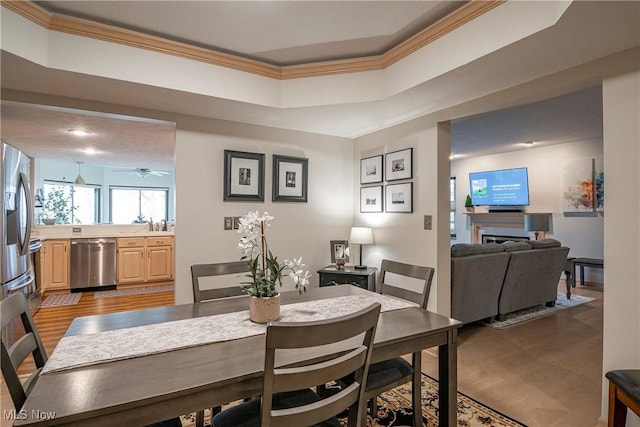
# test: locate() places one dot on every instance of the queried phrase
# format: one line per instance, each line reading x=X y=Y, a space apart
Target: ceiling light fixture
x=79 y=132
x=528 y=143
x=79 y=180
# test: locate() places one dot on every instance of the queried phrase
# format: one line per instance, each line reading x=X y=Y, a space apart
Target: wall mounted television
x=504 y=189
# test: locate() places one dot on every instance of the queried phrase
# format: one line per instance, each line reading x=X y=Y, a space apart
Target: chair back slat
x=216 y=269
x=354 y=333
x=424 y=274
x=12 y=308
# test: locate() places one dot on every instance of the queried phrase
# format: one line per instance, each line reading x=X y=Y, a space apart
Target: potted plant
x=265 y=270
x=56 y=209
x=468 y=205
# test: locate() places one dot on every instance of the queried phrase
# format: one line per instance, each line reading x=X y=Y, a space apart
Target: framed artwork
x=371 y=199
x=578 y=189
x=399 y=197
x=243 y=176
x=399 y=165
x=371 y=170
x=339 y=250
x=599 y=184
x=290 y=175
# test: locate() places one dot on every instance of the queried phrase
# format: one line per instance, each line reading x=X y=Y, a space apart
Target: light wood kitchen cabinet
x=145 y=259
x=54 y=261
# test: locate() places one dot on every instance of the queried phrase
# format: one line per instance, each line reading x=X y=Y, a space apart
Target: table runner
x=101 y=347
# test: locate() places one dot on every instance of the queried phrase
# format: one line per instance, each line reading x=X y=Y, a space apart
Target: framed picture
x=399 y=197
x=371 y=199
x=339 y=250
x=578 y=189
x=399 y=165
x=290 y=175
x=371 y=170
x=243 y=176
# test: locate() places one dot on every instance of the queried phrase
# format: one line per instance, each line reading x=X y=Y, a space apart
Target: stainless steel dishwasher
x=93 y=264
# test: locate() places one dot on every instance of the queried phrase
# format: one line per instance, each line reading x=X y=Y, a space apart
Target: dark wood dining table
x=154 y=387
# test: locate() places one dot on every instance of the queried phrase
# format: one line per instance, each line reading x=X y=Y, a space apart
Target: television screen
x=507 y=187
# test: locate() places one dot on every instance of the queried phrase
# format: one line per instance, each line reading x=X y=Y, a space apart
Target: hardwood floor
x=547 y=372
x=543 y=373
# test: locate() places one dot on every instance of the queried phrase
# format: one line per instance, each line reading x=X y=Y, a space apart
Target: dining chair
x=216 y=269
x=391 y=373
x=210 y=270
x=12 y=308
x=287 y=395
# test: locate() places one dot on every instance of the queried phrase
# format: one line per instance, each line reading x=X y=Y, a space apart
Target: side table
x=363 y=278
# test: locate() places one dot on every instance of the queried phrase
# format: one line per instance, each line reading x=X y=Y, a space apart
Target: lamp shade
x=536 y=222
x=361 y=235
x=79 y=180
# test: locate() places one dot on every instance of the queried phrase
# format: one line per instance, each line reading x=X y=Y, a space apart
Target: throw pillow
x=466 y=249
x=511 y=246
x=545 y=243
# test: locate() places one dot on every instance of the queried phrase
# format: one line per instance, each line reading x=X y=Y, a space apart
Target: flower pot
x=264 y=309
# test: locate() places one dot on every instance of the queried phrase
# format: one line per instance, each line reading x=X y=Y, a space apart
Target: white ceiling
x=135 y=142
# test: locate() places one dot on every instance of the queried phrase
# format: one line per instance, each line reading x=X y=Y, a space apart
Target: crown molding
x=85 y=28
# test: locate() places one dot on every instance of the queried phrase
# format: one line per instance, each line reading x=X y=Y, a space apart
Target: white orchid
x=265 y=269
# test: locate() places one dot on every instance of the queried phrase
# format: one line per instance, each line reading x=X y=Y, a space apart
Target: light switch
x=228 y=223
x=427 y=222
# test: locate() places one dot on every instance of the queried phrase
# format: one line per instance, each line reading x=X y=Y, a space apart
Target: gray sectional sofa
x=491 y=280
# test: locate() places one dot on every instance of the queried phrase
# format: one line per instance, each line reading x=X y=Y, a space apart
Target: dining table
x=166 y=380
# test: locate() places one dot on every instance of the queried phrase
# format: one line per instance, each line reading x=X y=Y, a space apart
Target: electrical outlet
x=76 y=230
x=236 y=222
x=228 y=223
x=427 y=222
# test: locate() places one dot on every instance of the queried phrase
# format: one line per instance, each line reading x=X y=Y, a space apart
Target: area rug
x=132 y=291
x=60 y=300
x=532 y=313
x=394 y=410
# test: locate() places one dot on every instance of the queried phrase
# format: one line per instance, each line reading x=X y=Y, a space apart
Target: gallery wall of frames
x=392 y=172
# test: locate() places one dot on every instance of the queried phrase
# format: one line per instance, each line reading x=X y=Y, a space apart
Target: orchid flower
x=266 y=271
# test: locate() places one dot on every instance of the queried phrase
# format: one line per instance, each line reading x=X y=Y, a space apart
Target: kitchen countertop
x=47 y=232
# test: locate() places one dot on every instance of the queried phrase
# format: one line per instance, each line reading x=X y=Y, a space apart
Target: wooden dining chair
x=287 y=395
x=216 y=269
x=391 y=373
x=29 y=344
x=210 y=270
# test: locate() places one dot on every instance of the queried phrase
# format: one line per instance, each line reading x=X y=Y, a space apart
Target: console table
x=585 y=262
x=363 y=278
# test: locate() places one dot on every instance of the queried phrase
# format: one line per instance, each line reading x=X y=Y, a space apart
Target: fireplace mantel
x=496 y=220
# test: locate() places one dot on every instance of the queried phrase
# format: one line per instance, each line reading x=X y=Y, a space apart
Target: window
x=138 y=204
x=71 y=204
x=452 y=207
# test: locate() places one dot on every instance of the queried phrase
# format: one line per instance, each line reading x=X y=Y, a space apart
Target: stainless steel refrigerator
x=17 y=214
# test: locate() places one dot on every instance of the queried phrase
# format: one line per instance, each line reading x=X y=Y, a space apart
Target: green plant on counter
x=57 y=206
x=140 y=220
x=467 y=202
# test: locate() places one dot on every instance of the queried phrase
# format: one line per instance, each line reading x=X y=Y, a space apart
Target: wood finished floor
x=543 y=373
x=546 y=373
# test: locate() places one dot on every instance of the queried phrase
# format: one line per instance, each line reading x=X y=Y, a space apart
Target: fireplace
x=488 y=238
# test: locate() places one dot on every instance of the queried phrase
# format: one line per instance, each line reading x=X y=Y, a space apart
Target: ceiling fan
x=143 y=172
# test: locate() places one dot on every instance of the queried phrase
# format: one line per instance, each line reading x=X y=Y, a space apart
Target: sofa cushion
x=545 y=243
x=466 y=249
x=512 y=246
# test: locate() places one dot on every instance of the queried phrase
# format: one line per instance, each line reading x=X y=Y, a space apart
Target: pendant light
x=79 y=180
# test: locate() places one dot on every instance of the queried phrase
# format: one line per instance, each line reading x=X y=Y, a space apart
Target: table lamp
x=361 y=236
x=536 y=223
